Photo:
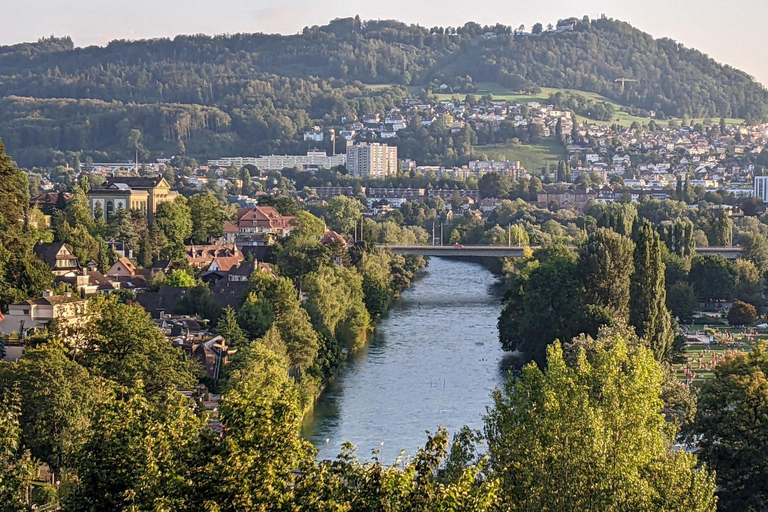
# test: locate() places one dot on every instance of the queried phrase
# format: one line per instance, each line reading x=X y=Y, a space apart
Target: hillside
x=255 y=93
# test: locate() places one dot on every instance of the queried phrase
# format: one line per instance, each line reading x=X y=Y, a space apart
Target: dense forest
x=254 y=93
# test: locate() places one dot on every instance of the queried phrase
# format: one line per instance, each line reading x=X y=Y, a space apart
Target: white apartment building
x=761 y=188
x=371 y=160
x=312 y=160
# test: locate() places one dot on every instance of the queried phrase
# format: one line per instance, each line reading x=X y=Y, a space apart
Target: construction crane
x=623 y=81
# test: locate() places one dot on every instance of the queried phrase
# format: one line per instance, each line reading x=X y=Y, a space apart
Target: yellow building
x=141 y=193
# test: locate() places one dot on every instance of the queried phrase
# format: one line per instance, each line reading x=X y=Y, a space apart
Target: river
x=434 y=360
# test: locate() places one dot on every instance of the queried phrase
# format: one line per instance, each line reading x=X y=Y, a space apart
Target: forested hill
x=256 y=92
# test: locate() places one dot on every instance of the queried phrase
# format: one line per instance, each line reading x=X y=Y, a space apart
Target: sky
x=730 y=31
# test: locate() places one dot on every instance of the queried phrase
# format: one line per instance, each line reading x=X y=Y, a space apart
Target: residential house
x=259 y=225
x=31 y=315
x=59 y=258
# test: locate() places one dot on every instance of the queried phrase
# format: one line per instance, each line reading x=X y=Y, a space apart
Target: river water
x=434 y=360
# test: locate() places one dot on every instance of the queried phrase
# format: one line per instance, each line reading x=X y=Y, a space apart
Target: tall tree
x=647 y=306
x=207 y=219
x=175 y=222
x=262 y=443
x=590 y=436
x=606 y=266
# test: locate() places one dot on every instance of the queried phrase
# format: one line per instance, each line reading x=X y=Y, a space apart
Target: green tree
x=742 y=314
x=606 y=267
x=542 y=304
x=207 y=220
x=256 y=315
x=229 y=329
x=121 y=343
x=720 y=229
x=754 y=247
x=141 y=456
x=57 y=395
x=262 y=443
x=174 y=220
x=732 y=422
x=16 y=467
x=681 y=301
x=713 y=277
x=342 y=213
x=590 y=436
x=647 y=306
x=180 y=278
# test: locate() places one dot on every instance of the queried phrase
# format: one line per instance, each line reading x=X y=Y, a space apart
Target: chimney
x=47 y=293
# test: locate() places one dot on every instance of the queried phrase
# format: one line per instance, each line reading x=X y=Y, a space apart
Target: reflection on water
x=434 y=361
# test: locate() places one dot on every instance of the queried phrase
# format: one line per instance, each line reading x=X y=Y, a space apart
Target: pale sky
x=730 y=31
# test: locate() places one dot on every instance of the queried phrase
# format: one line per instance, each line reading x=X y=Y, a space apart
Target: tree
x=606 y=266
x=56 y=399
x=754 y=247
x=207 y=220
x=542 y=304
x=732 y=425
x=229 y=329
x=199 y=300
x=342 y=213
x=256 y=315
x=16 y=467
x=14 y=201
x=180 y=278
x=261 y=443
x=647 y=307
x=142 y=456
x=175 y=222
x=742 y=314
x=713 y=277
x=120 y=342
x=720 y=229
x=681 y=301
x=589 y=435
x=346 y=484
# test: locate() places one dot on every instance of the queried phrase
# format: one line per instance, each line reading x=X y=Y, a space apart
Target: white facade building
x=761 y=188
x=372 y=160
x=312 y=160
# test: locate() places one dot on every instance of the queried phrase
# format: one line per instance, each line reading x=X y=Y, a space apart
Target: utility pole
x=441 y=234
x=509 y=235
x=433 y=233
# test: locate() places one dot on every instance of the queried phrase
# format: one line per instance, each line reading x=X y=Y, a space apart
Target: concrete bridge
x=499 y=251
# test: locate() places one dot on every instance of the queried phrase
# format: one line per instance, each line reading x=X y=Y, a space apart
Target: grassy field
x=621 y=118
x=532 y=157
x=703 y=358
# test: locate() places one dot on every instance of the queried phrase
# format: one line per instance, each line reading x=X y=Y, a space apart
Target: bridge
x=500 y=251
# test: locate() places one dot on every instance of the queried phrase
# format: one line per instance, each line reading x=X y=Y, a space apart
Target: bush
x=742 y=313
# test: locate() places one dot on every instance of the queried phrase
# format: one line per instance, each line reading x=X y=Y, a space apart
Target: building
x=312 y=160
x=142 y=193
x=260 y=225
x=573 y=199
x=372 y=160
x=36 y=314
x=761 y=188
x=58 y=256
